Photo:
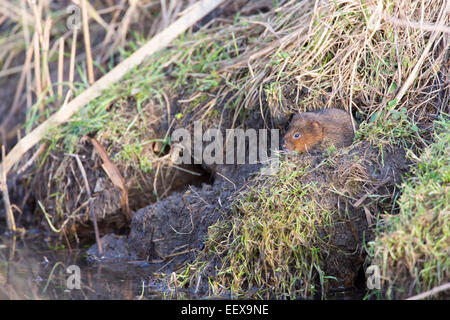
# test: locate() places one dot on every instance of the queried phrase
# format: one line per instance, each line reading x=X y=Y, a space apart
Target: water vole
x=328 y=126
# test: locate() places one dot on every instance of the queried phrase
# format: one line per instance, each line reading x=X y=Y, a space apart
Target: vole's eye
x=296 y=135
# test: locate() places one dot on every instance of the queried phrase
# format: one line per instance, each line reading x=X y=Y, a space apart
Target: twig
x=93 y=215
x=432 y=292
x=161 y=40
x=4 y=188
x=19 y=89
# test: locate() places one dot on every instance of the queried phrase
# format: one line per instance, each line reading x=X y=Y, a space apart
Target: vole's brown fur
x=328 y=126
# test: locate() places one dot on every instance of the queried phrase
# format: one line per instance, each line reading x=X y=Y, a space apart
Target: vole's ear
x=315 y=125
x=296 y=116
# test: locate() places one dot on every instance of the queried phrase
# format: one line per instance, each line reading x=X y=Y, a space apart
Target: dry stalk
x=87 y=42
x=37 y=66
x=432 y=292
x=20 y=85
x=60 y=68
x=73 y=53
x=45 y=47
x=414 y=73
x=4 y=188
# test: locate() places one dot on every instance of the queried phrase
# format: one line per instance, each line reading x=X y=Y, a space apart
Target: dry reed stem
x=28 y=44
x=4 y=188
x=109 y=34
x=19 y=89
x=45 y=47
x=14 y=13
x=10 y=71
x=417 y=25
x=125 y=24
x=73 y=53
x=60 y=68
x=87 y=42
x=37 y=17
x=93 y=14
x=37 y=66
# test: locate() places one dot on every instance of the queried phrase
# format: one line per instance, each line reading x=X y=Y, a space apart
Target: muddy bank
x=301 y=233
x=351 y=187
x=171 y=231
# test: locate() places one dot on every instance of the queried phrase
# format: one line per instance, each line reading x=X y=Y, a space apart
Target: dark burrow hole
x=116 y=223
x=160 y=148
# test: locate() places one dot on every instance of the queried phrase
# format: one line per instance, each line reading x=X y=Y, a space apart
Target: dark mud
x=171 y=231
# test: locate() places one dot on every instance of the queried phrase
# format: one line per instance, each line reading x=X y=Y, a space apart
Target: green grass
x=397 y=130
x=121 y=113
x=128 y=117
x=276 y=242
x=411 y=247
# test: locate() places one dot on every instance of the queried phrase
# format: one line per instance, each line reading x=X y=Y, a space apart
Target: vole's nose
x=284 y=144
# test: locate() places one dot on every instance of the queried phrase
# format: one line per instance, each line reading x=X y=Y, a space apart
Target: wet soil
x=171 y=231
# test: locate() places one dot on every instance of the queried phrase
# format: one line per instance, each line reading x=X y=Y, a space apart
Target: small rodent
x=328 y=126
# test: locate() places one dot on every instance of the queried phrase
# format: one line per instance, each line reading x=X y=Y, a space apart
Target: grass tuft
x=412 y=247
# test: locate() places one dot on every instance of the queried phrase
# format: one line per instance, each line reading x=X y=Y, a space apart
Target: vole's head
x=303 y=134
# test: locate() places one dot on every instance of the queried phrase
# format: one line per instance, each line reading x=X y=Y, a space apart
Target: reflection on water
x=31 y=269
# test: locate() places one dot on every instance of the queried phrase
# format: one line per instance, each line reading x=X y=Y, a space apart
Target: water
x=33 y=268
